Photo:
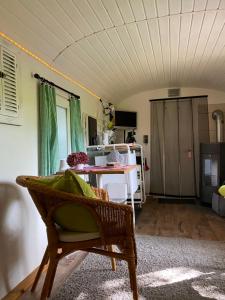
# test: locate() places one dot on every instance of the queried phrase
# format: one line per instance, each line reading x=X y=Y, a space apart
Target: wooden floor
x=180 y=220
x=65 y=267
x=173 y=220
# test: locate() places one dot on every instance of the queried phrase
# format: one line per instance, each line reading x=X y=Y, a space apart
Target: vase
x=79 y=166
x=63 y=165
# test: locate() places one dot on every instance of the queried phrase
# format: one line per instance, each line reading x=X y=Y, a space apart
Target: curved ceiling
x=121 y=47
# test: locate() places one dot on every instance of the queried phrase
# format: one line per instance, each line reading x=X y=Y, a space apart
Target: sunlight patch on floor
x=120 y=295
x=209 y=291
x=112 y=284
x=82 y=296
x=168 y=276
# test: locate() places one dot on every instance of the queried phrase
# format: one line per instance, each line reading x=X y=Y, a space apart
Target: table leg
x=131 y=195
x=99 y=181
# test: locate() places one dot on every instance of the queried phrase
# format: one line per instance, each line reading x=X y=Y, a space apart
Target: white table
x=99 y=171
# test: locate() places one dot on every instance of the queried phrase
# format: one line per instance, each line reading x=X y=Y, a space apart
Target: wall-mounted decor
x=10 y=108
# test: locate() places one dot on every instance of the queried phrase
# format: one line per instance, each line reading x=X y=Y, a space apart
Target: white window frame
x=62 y=101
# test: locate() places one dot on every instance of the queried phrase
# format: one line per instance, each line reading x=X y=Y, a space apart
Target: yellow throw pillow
x=221 y=190
x=73 y=217
x=70 y=182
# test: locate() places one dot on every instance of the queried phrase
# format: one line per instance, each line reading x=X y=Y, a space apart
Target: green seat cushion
x=221 y=190
x=73 y=217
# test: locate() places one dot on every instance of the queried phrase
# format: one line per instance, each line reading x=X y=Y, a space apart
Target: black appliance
x=212 y=169
x=125 y=119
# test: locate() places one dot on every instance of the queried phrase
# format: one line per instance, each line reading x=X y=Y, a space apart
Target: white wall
x=140 y=104
x=22 y=234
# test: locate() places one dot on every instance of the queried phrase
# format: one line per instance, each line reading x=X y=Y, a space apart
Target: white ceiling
x=121 y=47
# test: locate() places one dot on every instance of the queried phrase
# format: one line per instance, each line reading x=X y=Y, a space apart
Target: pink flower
x=76 y=158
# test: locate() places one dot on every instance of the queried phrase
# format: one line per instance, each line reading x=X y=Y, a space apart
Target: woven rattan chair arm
x=101 y=193
x=25 y=180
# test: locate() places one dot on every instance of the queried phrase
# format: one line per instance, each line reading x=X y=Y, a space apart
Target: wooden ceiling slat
x=62 y=18
x=187 y=6
x=156 y=46
x=139 y=50
x=101 y=13
x=138 y=9
x=174 y=6
x=150 y=9
x=200 y=5
x=174 y=47
x=113 y=11
x=18 y=30
x=196 y=26
x=162 y=8
x=185 y=27
x=125 y=36
x=222 y=4
x=35 y=27
x=125 y=10
x=109 y=60
x=164 y=30
x=100 y=62
x=144 y=33
x=76 y=16
x=119 y=47
x=209 y=19
x=217 y=29
x=48 y=20
x=89 y=15
x=213 y=4
x=114 y=54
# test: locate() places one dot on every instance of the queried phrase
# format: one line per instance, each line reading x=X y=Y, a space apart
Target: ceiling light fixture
x=43 y=62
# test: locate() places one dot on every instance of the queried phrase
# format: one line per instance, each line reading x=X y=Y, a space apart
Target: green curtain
x=48 y=136
x=77 y=139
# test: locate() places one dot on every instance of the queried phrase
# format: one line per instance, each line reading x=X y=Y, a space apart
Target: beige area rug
x=168 y=268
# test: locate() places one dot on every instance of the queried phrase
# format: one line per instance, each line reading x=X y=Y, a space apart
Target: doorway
x=178 y=126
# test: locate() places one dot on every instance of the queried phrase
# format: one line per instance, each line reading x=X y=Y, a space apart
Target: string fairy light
x=46 y=64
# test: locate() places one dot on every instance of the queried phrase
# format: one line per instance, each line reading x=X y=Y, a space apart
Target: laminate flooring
x=192 y=221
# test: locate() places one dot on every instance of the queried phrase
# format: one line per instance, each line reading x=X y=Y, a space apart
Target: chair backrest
x=48 y=200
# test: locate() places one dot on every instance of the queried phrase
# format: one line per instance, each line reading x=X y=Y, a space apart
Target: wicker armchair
x=115 y=222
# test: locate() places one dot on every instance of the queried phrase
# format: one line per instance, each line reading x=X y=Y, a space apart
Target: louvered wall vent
x=173 y=92
x=9 y=105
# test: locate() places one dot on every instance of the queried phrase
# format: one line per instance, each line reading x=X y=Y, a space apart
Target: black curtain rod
x=37 y=76
x=177 y=98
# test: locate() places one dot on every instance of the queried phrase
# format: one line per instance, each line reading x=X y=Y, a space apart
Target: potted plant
x=77 y=160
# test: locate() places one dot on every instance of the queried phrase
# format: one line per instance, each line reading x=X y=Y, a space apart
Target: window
x=63 y=124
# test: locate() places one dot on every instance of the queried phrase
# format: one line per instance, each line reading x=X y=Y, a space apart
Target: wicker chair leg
x=52 y=279
x=46 y=290
x=133 y=278
x=113 y=260
x=40 y=269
